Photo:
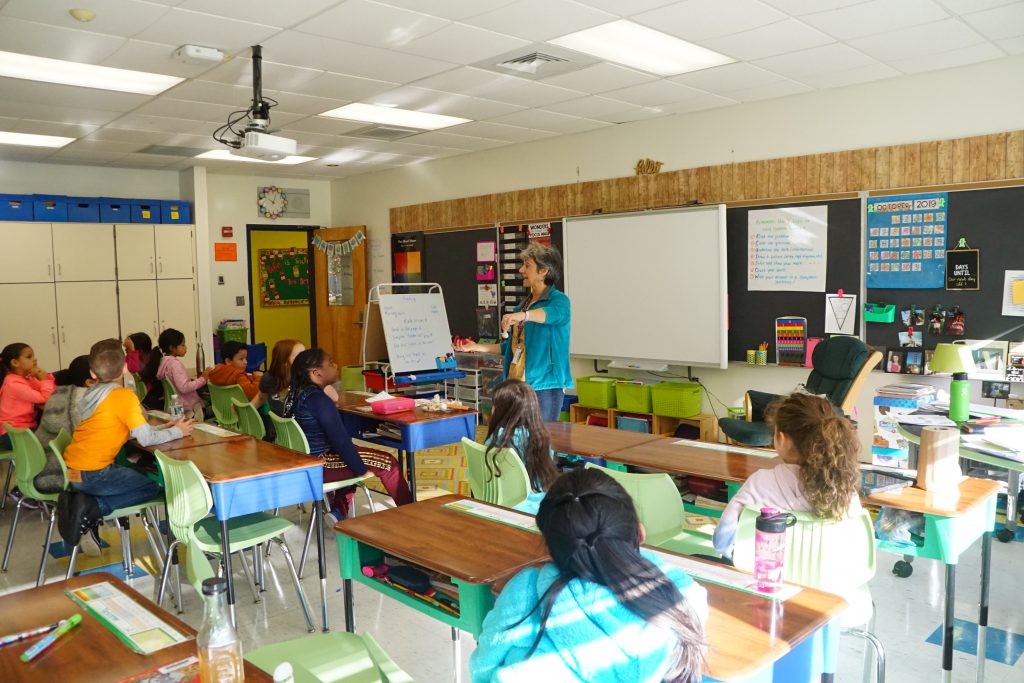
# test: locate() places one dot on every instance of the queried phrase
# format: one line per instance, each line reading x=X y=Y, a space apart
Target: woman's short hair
x=545 y=257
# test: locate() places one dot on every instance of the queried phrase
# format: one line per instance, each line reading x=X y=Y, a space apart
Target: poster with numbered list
x=907 y=241
x=786 y=249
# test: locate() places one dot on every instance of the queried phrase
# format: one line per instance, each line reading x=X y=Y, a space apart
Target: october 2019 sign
x=907 y=240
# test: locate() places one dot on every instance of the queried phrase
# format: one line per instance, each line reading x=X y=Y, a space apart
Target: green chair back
x=57 y=445
x=140 y=386
x=169 y=391
x=188 y=496
x=29 y=460
x=331 y=658
x=249 y=420
x=509 y=489
x=657 y=502
x=289 y=434
x=220 y=399
x=197 y=567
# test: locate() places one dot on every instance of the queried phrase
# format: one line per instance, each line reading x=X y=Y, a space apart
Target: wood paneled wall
x=999 y=156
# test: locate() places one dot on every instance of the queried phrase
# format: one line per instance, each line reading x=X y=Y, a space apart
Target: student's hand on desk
x=184 y=424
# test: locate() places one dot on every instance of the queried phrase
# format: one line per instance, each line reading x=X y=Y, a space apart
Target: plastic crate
x=50 y=208
x=175 y=212
x=633 y=397
x=146 y=211
x=83 y=210
x=675 y=399
x=879 y=313
x=236 y=334
x=597 y=391
x=115 y=210
x=15 y=207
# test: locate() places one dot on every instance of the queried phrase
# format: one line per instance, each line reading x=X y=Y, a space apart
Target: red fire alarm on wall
x=226 y=231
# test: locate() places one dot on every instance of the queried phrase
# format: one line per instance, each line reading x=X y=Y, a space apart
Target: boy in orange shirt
x=232 y=370
x=112 y=414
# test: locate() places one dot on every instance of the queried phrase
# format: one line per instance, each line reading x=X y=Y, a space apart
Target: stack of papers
x=907 y=390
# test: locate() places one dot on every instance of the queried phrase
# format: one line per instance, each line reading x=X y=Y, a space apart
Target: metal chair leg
x=298 y=586
x=10 y=536
x=369 y=500
x=457 y=654
x=261 y=574
x=127 y=559
x=46 y=546
x=159 y=598
x=248 y=576
x=879 y=650
x=7 y=483
x=305 y=544
x=154 y=547
x=72 y=562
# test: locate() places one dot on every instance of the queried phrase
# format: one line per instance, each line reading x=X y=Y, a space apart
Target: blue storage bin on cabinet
x=15 y=207
x=83 y=210
x=175 y=212
x=115 y=210
x=50 y=208
x=146 y=210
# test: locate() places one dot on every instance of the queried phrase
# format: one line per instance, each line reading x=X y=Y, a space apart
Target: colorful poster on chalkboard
x=284 y=277
x=406 y=257
x=907 y=239
x=786 y=249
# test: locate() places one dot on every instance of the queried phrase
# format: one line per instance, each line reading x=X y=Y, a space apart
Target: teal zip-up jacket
x=547 y=344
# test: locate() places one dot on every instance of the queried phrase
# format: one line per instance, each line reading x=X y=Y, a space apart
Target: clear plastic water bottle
x=220 y=651
x=770 y=548
x=177 y=407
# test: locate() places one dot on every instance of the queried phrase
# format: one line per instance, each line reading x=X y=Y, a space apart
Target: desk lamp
x=955 y=359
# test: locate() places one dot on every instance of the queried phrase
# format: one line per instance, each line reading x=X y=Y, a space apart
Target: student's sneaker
x=336 y=515
x=90 y=543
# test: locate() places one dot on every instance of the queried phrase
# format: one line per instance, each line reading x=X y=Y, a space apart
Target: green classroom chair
x=9 y=457
x=660 y=509
x=836 y=557
x=331 y=658
x=169 y=391
x=188 y=512
x=249 y=420
x=289 y=434
x=139 y=386
x=511 y=488
x=220 y=400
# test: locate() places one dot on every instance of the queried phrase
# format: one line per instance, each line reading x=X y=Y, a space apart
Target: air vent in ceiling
x=531 y=63
x=385 y=133
x=537 y=61
x=172 y=151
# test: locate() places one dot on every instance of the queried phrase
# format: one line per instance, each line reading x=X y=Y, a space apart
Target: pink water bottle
x=770 y=548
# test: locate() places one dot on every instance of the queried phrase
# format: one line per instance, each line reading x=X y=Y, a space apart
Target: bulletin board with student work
x=783 y=259
x=284 y=277
x=992 y=222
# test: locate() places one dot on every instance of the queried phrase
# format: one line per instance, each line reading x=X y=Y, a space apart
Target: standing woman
x=535 y=338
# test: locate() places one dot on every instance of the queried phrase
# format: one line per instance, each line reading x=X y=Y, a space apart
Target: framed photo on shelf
x=989 y=358
x=997 y=390
x=914 y=362
x=895 y=361
x=928 y=361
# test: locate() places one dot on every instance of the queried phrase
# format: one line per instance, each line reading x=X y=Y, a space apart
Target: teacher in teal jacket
x=535 y=338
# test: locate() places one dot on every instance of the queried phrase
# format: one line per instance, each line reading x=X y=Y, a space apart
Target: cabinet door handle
x=161 y=266
x=63 y=337
x=60 y=269
x=49 y=269
x=151 y=265
x=53 y=337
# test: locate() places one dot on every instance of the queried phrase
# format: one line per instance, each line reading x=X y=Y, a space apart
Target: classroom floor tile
x=1000 y=646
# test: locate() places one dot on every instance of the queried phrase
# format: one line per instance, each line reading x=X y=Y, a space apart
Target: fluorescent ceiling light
x=393 y=116
x=27 y=67
x=642 y=48
x=30 y=140
x=225 y=155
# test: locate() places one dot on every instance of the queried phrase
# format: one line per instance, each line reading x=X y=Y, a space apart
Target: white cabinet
x=136 y=258
x=137 y=306
x=86 y=313
x=83 y=251
x=173 y=251
x=29 y=316
x=176 y=301
x=26 y=252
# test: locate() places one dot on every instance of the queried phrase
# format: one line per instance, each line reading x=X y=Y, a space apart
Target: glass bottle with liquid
x=220 y=651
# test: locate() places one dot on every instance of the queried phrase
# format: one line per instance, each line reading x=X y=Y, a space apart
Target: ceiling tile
x=93 y=157
x=965 y=6
x=727 y=77
x=269 y=12
x=462 y=44
x=654 y=94
x=774 y=39
x=498 y=131
x=946 y=60
x=238 y=71
x=702 y=19
x=49 y=112
x=539 y=20
x=876 y=16
x=1000 y=22
x=158 y=123
x=770 y=91
x=370 y=23
x=186 y=109
x=281 y=118
x=907 y=43
x=800 y=7
x=457 y=142
x=237 y=96
x=140 y=55
x=109 y=146
x=549 y=121
x=30 y=38
x=452 y=9
x=640 y=114
x=302 y=104
x=1014 y=46
x=122 y=18
x=181 y=27
x=437 y=102
x=701 y=103
x=591 y=107
x=138 y=160
x=600 y=78
x=492 y=86
x=626 y=8
x=68 y=95
x=70 y=130
x=816 y=60
x=322 y=125
x=343 y=87
x=860 y=74
x=19 y=153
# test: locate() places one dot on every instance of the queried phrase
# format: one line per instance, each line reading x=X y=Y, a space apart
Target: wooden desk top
x=666 y=455
x=197 y=438
x=354 y=403
x=90 y=652
x=233 y=459
x=454 y=543
x=949 y=503
x=592 y=441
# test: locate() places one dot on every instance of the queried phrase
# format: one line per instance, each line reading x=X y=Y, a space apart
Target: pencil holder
x=762 y=358
x=751 y=354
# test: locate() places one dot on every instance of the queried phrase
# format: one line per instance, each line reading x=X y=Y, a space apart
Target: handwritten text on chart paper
x=786 y=249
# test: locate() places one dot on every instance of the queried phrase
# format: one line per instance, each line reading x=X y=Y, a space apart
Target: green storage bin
x=235 y=334
x=632 y=397
x=675 y=399
x=597 y=391
x=879 y=313
x=352 y=378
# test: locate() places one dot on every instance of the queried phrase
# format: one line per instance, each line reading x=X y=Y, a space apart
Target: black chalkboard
x=752 y=314
x=449 y=259
x=992 y=221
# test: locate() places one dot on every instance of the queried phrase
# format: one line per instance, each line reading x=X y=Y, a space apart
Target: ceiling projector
x=265 y=147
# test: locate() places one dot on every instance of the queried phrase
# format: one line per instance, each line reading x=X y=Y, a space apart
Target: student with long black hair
x=164 y=363
x=317 y=415
x=601 y=610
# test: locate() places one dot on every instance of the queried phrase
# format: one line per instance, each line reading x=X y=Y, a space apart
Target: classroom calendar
x=907 y=241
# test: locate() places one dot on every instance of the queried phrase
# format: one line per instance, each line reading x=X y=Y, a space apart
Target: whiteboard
x=649 y=286
x=415 y=330
x=786 y=249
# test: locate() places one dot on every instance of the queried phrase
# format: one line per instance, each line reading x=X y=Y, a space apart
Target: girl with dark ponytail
x=601 y=610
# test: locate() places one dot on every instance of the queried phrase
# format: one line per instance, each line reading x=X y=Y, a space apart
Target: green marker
x=49 y=640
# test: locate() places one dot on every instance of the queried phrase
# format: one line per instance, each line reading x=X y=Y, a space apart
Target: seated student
x=516 y=423
x=274 y=382
x=137 y=348
x=25 y=388
x=164 y=363
x=110 y=416
x=602 y=609
x=62 y=411
x=232 y=370
x=318 y=416
x=819 y=471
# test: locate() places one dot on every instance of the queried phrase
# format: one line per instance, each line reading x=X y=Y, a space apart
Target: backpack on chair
x=77 y=513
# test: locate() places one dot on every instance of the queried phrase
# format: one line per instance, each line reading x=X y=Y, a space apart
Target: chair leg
x=46 y=546
x=10 y=536
x=154 y=547
x=369 y=500
x=7 y=483
x=127 y=559
x=261 y=578
x=159 y=598
x=305 y=544
x=879 y=651
x=298 y=586
x=248 y=576
x=72 y=562
x=867 y=651
x=457 y=654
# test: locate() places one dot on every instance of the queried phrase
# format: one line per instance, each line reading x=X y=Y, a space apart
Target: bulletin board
x=752 y=314
x=284 y=277
x=449 y=259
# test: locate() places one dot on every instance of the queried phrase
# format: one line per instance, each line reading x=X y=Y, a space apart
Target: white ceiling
x=418 y=54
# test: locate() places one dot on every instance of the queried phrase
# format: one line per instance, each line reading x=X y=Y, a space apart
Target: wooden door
x=86 y=313
x=137 y=308
x=26 y=253
x=135 y=260
x=174 y=252
x=83 y=252
x=29 y=315
x=176 y=302
x=340 y=295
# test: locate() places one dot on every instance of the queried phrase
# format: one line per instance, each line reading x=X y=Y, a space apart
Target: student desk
x=90 y=653
x=591 y=441
x=197 y=438
x=419 y=428
x=954 y=520
x=753 y=639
